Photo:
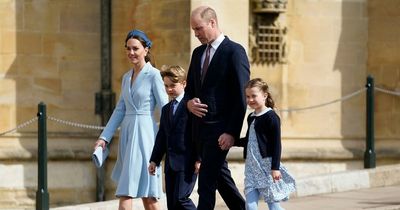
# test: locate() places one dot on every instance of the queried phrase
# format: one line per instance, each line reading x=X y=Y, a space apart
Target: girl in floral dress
x=265 y=177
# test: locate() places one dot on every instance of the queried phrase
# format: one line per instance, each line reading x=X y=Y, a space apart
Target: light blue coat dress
x=134 y=114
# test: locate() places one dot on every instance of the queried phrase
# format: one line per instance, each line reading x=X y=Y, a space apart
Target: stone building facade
x=50 y=52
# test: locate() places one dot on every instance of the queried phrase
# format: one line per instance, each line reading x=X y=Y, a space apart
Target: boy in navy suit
x=173 y=140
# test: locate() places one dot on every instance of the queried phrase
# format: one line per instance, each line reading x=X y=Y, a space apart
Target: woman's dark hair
x=263 y=86
x=144 y=40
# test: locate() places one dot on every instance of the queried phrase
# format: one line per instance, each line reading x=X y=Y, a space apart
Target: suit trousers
x=214 y=174
x=179 y=185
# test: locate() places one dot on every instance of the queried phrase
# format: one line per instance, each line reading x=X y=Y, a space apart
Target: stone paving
x=376 y=189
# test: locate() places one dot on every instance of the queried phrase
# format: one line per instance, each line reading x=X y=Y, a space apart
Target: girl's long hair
x=263 y=86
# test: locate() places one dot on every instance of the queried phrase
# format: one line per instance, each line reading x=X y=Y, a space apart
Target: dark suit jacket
x=222 y=89
x=174 y=140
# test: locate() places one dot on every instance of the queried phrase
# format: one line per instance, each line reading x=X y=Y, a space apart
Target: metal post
x=42 y=194
x=369 y=156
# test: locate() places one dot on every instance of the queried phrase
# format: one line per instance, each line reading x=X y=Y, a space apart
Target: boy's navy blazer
x=173 y=140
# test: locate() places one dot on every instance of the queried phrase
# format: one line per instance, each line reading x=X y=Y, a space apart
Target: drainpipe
x=105 y=99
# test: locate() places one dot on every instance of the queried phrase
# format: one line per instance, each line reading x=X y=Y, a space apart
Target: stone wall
x=329 y=46
x=326 y=61
x=329 y=56
x=165 y=22
x=384 y=65
x=50 y=51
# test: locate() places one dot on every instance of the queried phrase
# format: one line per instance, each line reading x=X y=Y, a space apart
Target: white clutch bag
x=99 y=156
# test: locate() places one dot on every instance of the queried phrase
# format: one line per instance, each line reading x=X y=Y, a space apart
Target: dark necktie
x=171 y=109
x=205 y=63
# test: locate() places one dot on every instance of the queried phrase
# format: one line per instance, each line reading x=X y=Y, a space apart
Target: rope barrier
x=24 y=124
x=74 y=124
x=70 y=123
x=95 y=127
x=327 y=103
x=387 y=91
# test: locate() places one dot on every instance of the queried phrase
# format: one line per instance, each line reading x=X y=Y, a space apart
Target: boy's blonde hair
x=174 y=73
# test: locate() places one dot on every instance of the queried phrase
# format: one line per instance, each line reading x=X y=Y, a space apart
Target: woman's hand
x=100 y=143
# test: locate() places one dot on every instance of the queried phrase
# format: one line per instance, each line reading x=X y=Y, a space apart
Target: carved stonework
x=267 y=32
x=270 y=6
x=253 y=46
x=267 y=44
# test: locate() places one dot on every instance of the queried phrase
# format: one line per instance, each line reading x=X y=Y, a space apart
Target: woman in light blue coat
x=142 y=90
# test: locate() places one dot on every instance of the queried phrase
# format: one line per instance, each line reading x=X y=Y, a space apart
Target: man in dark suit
x=218 y=72
x=173 y=140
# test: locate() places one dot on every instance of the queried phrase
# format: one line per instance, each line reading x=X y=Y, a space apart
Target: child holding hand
x=264 y=176
x=173 y=141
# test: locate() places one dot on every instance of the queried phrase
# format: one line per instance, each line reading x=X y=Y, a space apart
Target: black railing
x=42 y=194
x=369 y=155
